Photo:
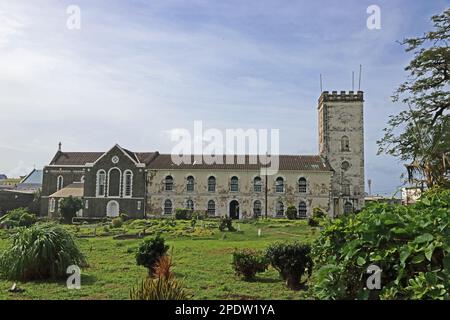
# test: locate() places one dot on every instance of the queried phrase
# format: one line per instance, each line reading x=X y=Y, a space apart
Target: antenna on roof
x=59 y=146
x=321 y=83
x=353 y=80
x=359 y=83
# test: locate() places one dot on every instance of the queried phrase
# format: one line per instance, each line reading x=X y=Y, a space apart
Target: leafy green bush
x=183 y=214
x=43 y=251
x=69 y=208
x=18 y=218
x=313 y=222
x=409 y=243
x=247 y=263
x=116 y=222
x=226 y=223
x=199 y=215
x=319 y=213
x=291 y=260
x=150 y=251
x=291 y=212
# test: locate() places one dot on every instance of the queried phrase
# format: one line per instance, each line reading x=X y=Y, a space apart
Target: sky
x=136 y=70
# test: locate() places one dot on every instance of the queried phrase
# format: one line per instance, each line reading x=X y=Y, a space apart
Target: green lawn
x=202 y=261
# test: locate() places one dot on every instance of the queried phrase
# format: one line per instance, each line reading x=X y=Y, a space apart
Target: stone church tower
x=341 y=143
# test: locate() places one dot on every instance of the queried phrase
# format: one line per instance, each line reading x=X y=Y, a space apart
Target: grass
x=202 y=258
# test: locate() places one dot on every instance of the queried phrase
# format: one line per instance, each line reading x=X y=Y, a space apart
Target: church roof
x=81 y=158
x=286 y=162
x=75 y=158
x=154 y=160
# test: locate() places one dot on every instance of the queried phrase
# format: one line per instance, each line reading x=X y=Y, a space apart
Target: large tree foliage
x=420 y=135
x=69 y=208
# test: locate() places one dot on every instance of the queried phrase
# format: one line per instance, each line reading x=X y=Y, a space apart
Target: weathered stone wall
x=317 y=195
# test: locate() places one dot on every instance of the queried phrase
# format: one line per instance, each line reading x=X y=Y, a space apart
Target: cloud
x=137 y=70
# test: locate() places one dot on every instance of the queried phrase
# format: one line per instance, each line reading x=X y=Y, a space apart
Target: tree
x=420 y=135
x=69 y=208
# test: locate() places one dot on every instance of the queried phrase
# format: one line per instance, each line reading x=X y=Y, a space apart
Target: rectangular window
x=257 y=188
x=139 y=205
x=346 y=189
x=86 y=204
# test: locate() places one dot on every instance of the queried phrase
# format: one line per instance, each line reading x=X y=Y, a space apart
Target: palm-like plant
x=43 y=251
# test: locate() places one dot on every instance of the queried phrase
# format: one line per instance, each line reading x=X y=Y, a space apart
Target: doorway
x=112 y=209
x=234 y=209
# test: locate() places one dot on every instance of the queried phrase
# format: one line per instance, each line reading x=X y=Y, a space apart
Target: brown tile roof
x=75 y=158
x=154 y=160
x=286 y=162
x=81 y=158
x=146 y=157
x=75 y=190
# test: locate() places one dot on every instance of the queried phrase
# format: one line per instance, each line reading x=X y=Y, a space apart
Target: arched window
x=128 y=183
x=280 y=208
x=234 y=186
x=257 y=184
x=345 y=144
x=114 y=182
x=211 y=208
x=348 y=207
x=82 y=179
x=211 y=184
x=59 y=183
x=168 y=183
x=257 y=208
x=52 y=205
x=168 y=207
x=190 y=184
x=190 y=204
x=279 y=185
x=302 y=209
x=302 y=185
x=101 y=183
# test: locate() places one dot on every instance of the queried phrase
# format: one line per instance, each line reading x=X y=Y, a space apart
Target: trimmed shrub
x=116 y=222
x=43 y=251
x=163 y=287
x=183 y=214
x=69 y=208
x=410 y=244
x=150 y=251
x=247 y=263
x=199 y=215
x=291 y=260
x=313 y=222
x=18 y=218
x=226 y=223
x=319 y=213
x=291 y=212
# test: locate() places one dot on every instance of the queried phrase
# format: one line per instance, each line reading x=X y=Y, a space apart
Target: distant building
x=31 y=182
x=381 y=199
x=9 y=183
x=3 y=176
x=410 y=195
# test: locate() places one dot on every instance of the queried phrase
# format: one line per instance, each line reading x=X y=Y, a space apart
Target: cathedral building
x=142 y=184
